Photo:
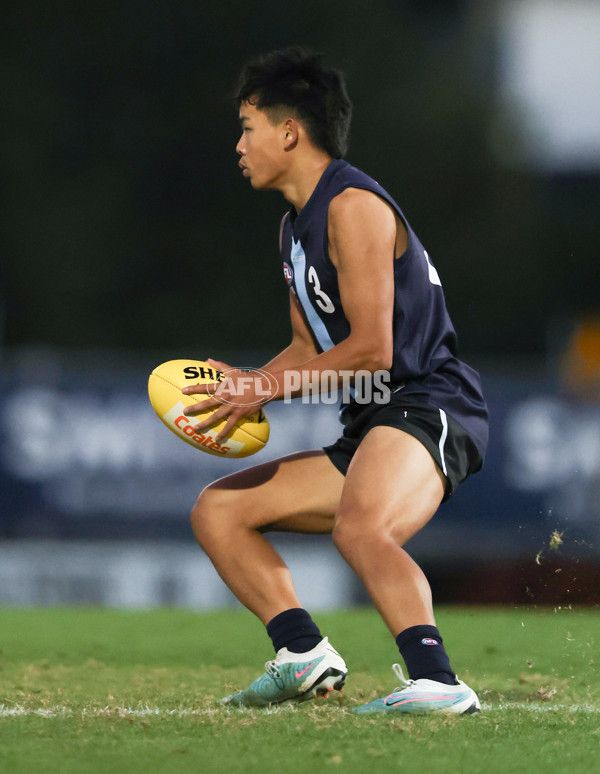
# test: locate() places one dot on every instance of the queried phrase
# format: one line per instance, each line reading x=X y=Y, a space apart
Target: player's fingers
x=213 y=419
x=200 y=389
x=203 y=405
x=219 y=365
x=227 y=427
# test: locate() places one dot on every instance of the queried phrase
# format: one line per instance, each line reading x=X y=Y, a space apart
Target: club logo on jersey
x=287 y=272
x=429 y=641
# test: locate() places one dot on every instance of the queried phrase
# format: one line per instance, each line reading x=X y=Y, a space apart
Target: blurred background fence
x=96 y=494
x=127 y=237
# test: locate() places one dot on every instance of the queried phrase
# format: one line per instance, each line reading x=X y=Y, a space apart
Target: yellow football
x=248 y=436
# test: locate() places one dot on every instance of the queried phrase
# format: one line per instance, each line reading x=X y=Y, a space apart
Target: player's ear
x=290 y=133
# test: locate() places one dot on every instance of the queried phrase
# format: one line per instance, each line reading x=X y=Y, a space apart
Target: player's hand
x=239 y=395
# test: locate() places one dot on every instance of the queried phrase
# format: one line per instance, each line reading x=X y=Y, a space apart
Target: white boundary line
x=17 y=710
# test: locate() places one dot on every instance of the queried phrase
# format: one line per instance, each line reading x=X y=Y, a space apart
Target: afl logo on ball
x=288 y=273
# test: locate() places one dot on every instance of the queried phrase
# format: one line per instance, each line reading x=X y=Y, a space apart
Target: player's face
x=261 y=148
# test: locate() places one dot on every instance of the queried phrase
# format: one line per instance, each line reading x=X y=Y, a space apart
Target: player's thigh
x=298 y=493
x=393 y=486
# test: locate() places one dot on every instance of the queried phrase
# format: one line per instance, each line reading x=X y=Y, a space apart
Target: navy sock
x=295 y=630
x=424 y=654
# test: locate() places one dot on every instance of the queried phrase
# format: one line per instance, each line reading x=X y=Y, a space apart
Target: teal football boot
x=294 y=677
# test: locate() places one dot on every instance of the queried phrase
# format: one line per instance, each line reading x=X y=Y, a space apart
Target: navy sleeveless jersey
x=425 y=364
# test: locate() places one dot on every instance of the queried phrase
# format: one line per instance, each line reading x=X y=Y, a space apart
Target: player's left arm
x=362 y=240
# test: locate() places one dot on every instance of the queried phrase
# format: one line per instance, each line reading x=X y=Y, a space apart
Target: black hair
x=295 y=78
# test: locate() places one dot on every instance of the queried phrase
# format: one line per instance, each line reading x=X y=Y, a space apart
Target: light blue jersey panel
x=316 y=323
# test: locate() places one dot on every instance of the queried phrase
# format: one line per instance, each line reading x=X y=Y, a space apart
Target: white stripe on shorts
x=443 y=439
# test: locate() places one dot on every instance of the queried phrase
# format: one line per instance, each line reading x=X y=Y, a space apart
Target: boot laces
x=271 y=668
x=400 y=675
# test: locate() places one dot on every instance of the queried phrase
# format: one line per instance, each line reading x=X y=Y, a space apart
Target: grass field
x=108 y=691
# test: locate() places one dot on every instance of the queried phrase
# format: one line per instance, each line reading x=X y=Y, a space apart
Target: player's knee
x=197 y=516
x=351 y=533
x=207 y=514
x=346 y=535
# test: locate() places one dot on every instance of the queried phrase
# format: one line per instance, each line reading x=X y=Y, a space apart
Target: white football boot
x=424 y=696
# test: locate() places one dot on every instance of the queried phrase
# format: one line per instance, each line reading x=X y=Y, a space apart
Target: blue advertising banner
x=83 y=456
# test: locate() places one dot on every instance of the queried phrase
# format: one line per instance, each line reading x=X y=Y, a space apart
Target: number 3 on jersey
x=323 y=300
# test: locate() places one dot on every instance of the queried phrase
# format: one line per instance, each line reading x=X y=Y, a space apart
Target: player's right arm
x=301 y=348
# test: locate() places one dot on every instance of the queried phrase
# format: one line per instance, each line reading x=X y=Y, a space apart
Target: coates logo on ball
x=288 y=273
x=248 y=436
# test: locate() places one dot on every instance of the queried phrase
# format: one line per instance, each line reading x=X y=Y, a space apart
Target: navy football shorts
x=448 y=443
